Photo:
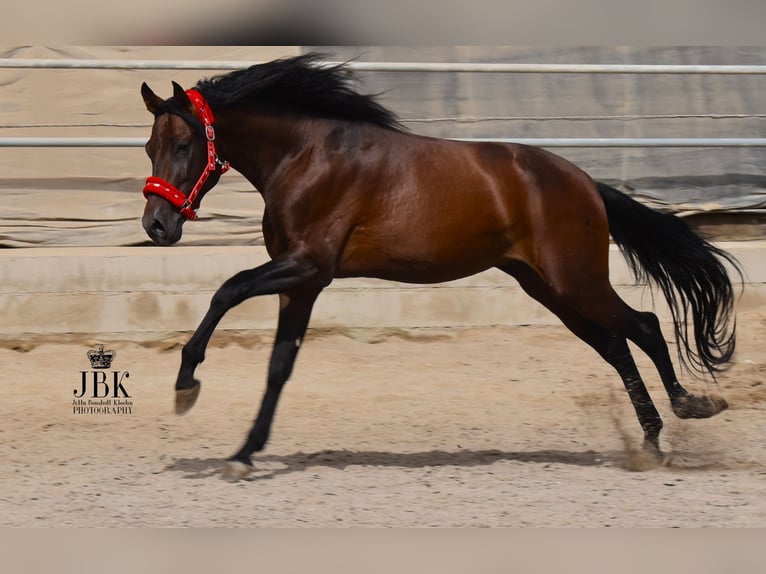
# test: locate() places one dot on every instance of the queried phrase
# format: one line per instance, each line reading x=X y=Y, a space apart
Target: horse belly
x=421 y=257
x=451 y=212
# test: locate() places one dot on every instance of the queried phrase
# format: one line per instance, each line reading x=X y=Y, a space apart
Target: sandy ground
x=490 y=427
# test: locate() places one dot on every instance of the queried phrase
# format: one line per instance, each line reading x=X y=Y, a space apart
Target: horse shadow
x=270 y=466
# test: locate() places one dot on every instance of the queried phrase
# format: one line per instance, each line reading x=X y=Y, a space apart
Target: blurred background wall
x=92 y=196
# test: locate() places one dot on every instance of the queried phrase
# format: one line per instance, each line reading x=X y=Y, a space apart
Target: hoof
x=653 y=455
x=185 y=398
x=651 y=449
x=236 y=470
x=648 y=458
x=694 y=407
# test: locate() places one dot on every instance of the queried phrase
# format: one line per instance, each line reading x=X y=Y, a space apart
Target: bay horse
x=349 y=192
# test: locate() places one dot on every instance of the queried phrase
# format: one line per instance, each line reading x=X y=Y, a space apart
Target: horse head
x=184 y=163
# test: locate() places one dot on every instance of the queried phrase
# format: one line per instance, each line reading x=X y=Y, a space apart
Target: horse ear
x=151 y=99
x=180 y=95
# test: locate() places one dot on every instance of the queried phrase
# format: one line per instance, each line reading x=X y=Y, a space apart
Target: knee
x=221 y=301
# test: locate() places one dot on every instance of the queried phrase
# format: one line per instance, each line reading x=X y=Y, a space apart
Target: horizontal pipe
x=540 y=142
x=519 y=68
x=508 y=67
x=72 y=142
x=628 y=142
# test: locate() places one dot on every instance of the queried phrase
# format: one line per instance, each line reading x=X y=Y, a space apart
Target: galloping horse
x=349 y=192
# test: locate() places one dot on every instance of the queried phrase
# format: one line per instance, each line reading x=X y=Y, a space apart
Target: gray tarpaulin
x=57 y=197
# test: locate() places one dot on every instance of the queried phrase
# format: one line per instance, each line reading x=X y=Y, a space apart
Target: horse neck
x=256 y=145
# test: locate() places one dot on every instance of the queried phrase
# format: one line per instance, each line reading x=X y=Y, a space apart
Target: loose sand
x=520 y=426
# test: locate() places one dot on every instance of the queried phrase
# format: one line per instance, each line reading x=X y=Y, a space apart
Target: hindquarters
x=561 y=229
x=564 y=265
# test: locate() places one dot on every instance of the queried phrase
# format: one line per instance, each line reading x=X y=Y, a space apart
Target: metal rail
x=100 y=64
x=71 y=142
x=515 y=68
x=629 y=142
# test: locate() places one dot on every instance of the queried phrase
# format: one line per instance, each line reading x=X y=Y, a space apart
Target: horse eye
x=182 y=148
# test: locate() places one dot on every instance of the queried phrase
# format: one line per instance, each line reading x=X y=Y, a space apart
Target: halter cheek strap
x=166 y=190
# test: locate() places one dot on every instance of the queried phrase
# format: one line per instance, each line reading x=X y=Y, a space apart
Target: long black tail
x=689 y=271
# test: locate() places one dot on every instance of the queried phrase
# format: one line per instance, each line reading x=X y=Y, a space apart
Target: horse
x=350 y=192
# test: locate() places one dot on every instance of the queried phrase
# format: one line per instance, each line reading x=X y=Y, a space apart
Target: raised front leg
x=278 y=275
x=294 y=317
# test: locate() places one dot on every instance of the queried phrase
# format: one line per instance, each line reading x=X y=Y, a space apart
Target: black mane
x=299 y=83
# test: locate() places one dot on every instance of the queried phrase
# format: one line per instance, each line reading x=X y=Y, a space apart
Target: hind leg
x=604 y=307
x=585 y=290
x=644 y=331
x=615 y=351
x=612 y=347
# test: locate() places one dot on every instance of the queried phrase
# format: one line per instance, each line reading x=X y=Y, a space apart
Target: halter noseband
x=168 y=191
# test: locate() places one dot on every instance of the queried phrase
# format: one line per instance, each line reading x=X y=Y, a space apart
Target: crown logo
x=100 y=359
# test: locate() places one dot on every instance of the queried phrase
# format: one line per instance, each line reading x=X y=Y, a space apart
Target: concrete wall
x=151 y=293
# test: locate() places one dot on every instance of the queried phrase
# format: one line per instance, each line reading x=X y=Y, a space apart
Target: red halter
x=158 y=186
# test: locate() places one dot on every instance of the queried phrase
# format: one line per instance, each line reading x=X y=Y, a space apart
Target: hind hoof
x=648 y=458
x=694 y=407
x=185 y=398
x=236 y=470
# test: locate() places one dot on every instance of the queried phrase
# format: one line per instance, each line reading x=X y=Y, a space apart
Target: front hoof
x=236 y=470
x=694 y=407
x=185 y=398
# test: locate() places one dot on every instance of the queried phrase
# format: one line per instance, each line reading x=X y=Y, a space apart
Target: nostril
x=157 y=228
